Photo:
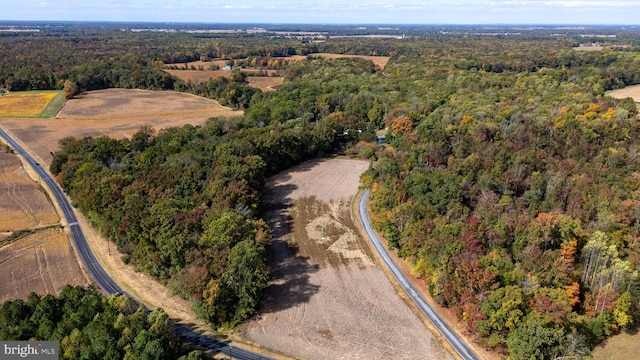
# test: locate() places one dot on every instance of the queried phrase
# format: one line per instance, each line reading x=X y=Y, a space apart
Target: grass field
x=31 y=104
x=613 y=347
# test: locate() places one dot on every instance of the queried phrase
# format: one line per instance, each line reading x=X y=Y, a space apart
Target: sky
x=544 y=12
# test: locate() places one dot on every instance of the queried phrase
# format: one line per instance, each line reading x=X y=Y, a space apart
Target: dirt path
x=328 y=298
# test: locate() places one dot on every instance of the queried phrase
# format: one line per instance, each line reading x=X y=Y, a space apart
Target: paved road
x=456 y=342
x=100 y=276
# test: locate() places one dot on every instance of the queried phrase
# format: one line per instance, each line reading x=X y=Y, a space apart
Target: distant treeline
x=97 y=56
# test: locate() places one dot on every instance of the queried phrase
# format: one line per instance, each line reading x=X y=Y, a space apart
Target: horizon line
x=321 y=23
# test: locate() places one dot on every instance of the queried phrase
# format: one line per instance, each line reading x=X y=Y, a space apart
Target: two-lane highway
x=88 y=258
x=456 y=342
x=101 y=277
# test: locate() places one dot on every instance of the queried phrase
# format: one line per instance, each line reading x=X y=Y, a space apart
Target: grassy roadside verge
x=53 y=107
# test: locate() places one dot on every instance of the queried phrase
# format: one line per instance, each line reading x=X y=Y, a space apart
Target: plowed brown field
x=113 y=112
x=380 y=61
x=328 y=298
x=23 y=205
x=43 y=261
x=264 y=83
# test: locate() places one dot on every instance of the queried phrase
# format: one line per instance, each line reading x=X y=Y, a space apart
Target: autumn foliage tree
x=69 y=90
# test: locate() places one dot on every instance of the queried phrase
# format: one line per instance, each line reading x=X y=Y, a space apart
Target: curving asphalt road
x=456 y=342
x=102 y=278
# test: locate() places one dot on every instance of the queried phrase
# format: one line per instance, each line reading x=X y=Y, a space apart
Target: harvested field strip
x=19 y=234
x=54 y=106
x=24 y=204
x=150 y=114
x=41 y=262
x=26 y=104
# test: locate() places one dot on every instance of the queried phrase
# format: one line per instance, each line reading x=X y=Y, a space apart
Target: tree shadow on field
x=289 y=283
x=290 y=274
x=277 y=197
x=278 y=188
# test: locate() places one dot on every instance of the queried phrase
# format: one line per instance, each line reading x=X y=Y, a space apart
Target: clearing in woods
x=327 y=297
x=264 y=83
x=629 y=91
x=200 y=71
x=379 y=61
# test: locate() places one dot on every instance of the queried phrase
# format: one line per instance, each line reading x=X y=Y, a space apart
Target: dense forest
x=509 y=180
x=90 y=326
x=184 y=204
x=510 y=184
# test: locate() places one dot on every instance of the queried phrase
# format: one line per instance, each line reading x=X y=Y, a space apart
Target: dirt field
x=43 y=262
x=265 y=83
x=328 y=298
x=380 y=61
x=588 y=47
x=630 y=91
